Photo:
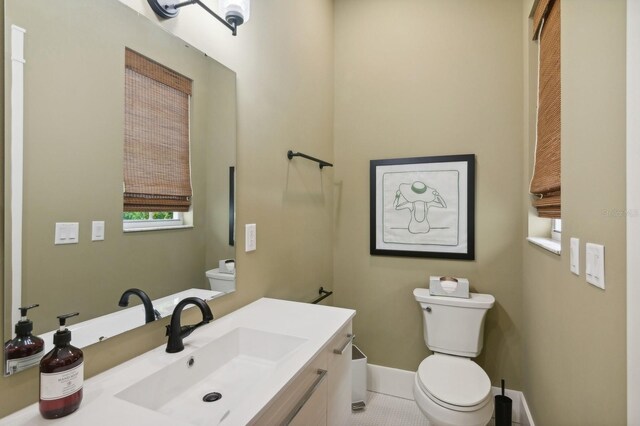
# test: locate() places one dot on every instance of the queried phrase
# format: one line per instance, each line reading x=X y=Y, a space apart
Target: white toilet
x=449 y=388
x=222 y=281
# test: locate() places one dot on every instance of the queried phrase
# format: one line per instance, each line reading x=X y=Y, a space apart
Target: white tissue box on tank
x=449 y=286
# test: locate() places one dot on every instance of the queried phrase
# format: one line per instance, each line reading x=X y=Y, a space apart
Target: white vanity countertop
x=317 y=324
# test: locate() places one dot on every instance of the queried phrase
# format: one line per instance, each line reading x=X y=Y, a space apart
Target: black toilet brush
x=503 y=409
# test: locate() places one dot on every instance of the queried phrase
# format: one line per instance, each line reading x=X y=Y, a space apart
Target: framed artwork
x=423 y=207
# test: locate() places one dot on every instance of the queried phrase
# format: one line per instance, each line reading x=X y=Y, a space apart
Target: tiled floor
x=385 y=410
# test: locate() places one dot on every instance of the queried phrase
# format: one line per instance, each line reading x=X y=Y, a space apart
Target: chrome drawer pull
x=350 y=338
x=321 y=376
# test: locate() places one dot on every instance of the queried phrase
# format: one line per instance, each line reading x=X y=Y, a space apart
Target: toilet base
x=440 y=416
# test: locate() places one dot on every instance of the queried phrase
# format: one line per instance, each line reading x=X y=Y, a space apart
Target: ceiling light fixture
x=236 y=12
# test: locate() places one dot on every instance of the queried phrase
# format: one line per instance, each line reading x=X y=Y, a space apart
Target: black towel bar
x=323 y=295
x=322 y=163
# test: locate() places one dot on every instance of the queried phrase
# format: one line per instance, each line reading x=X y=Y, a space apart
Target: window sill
x=548 y=244
x=157 y=228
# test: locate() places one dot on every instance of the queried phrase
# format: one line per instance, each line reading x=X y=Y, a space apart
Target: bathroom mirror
x=67 y=163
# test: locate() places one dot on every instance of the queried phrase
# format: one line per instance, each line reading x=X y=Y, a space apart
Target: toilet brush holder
x=503 y=408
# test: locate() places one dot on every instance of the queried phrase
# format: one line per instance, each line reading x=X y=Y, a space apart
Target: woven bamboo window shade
x=545 y=183
x=157 y=173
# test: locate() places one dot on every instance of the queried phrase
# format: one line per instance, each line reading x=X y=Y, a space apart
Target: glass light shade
x=231 y=8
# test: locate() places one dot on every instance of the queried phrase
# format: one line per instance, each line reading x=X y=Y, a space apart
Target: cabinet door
x=339 y=380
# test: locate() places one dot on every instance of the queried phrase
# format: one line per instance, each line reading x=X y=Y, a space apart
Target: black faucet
x=150 y=314
x=176 y=332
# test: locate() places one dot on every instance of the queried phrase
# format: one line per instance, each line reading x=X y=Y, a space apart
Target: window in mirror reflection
x=157 y=173
x=136 y=220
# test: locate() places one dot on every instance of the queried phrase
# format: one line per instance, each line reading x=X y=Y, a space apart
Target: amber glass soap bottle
x=61 y=375
x=25 y=350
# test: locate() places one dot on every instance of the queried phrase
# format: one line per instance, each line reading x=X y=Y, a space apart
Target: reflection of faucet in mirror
x=176 y=332
x=150 y=314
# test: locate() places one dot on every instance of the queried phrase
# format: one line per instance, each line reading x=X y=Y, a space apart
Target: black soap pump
x=24 y=350
x=61 y=375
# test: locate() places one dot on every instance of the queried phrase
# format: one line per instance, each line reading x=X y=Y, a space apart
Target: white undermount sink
x=231 y=365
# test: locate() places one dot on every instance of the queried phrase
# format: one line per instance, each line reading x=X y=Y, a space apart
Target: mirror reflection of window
x=157 y=173
x=137 y=220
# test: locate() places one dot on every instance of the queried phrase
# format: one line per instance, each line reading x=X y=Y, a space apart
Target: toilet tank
x=454 y=325
x=222 y=281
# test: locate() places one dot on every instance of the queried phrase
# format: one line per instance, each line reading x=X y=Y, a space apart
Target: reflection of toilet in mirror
x=223 y=278
x=449 y=388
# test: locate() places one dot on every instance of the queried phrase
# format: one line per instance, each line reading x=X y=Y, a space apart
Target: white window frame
x=556 y=229
x=177 y=222
x=552 y=242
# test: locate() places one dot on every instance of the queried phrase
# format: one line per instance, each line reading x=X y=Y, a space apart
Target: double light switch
x=67 y=233
x=595 y=264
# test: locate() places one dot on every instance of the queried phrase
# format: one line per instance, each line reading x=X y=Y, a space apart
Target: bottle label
x=19 y=364
x=62 y=384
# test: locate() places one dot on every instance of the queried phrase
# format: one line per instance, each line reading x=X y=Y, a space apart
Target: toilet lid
x=453 y=380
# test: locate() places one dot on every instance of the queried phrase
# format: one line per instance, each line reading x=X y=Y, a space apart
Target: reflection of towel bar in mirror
x=322 y=163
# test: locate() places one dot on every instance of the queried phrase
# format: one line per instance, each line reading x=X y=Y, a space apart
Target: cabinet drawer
x=320 y=394
x=287 y=401
x=314 y=410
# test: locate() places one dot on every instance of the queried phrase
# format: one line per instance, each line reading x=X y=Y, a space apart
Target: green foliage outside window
x=145 y=215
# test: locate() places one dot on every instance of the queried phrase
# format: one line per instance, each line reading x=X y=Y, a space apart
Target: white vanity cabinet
x=275 y=362
x=320 y=394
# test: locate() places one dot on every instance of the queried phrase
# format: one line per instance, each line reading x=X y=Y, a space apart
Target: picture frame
x=423 y=207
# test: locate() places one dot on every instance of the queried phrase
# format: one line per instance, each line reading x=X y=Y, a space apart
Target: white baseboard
x=390 y=381
x=525 y=414
x=399 y=383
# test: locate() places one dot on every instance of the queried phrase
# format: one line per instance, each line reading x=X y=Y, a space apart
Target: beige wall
x=416 y=79
x=574 y=363
x=284 y=63
x=423 y=78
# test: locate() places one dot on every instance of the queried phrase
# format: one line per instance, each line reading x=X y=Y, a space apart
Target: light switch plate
x=97 y=230
x=250 y=237
x=67 y=233
x=574 y=250
x=595 y=264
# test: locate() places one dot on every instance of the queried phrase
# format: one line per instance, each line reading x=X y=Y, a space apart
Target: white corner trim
x=17 y=166
x=399 y=383
x=633 y=209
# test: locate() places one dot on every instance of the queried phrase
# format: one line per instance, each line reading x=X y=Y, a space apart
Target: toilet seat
x=454 y=382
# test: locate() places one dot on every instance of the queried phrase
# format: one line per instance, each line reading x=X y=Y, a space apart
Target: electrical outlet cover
x=575 y=255
x=250 y=237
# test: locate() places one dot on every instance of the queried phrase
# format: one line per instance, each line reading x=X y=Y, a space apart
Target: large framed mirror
x=64 y=165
